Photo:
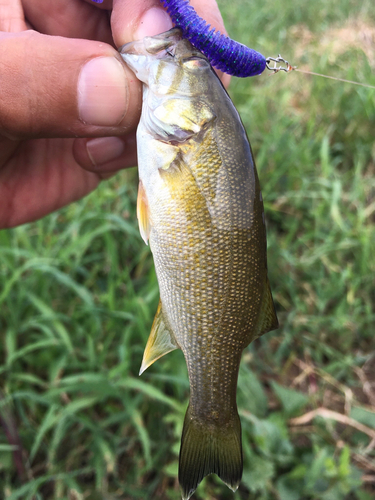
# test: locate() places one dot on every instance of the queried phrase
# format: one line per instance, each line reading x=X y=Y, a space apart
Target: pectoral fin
x=143 y=213
x=160 y=341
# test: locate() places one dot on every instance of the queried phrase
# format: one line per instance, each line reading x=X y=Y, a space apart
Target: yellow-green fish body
x=200 y=206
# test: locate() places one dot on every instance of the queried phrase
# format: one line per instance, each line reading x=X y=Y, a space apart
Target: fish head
x=167 y=63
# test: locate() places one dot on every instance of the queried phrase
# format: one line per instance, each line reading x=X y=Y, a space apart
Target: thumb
x=61 y=87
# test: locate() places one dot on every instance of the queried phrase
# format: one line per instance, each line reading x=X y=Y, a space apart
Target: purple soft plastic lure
x=225 y=54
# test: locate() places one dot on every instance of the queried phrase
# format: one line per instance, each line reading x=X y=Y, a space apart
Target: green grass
x=78 y=293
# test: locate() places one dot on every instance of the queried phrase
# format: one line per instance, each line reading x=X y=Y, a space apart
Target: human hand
x=69 y=107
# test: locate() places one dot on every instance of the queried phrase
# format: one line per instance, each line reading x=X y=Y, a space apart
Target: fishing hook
x=287 y=68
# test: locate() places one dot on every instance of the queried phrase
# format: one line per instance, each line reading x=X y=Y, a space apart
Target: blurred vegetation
x=78 y=293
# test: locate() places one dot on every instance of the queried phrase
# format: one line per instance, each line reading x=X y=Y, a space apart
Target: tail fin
x=207 y=449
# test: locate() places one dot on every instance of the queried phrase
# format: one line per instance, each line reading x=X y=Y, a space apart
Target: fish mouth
x=152 y=44
x=140 y=53
x=169 y=45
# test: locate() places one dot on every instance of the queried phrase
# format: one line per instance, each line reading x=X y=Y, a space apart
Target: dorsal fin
x=160 y=342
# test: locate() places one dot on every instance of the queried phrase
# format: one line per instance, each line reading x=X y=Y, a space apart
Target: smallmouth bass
x=200 y=207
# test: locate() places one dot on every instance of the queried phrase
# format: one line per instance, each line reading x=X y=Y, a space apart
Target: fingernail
x=102 y=92
x=104 y=149
x=153 y=22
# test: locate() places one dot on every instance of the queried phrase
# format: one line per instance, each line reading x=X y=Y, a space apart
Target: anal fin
x=267 y=319
x=160 y=341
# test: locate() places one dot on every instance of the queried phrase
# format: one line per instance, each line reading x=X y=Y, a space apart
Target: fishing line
x=226 y=54
x=284 y=65
x=334 y=78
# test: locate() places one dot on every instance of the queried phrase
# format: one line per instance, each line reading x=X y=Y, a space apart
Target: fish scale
x=200 y=207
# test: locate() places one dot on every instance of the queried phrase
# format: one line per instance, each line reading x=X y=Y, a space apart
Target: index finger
x=69 y=18
x=134 y=20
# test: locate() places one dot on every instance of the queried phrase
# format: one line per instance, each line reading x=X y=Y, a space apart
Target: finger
x=42 y=176
x=134 y=20
x=69 y=18
x=106 y=154
x=7 y=148
x=58 y=87
x=11 y=16
x=101 y=4
x=224 y=77
x=210 y=12
x=39 y=178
